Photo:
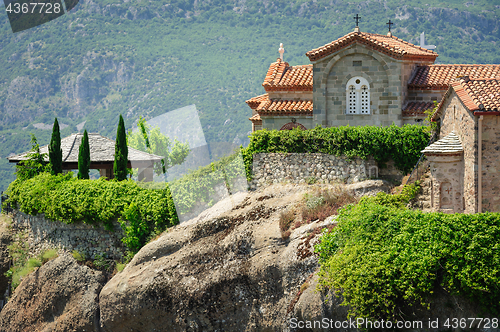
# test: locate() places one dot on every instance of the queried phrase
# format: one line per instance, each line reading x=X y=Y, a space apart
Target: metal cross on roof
x=357 y=18
x=389 y=24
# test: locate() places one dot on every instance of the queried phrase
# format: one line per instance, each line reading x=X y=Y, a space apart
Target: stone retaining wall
x=271 y=168
x=47 y=234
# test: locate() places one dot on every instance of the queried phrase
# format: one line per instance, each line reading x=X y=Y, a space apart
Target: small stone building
x=359 y=79
x=465 y=163
x=102 y=155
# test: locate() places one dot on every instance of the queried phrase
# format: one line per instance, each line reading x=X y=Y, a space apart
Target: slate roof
x=439 y=77
x=447 y=145
x=102 y=150
x=283 y=77
x=417 y=108
x=390 y=45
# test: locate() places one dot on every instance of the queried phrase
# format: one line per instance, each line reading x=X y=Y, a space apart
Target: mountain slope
x=145 y=58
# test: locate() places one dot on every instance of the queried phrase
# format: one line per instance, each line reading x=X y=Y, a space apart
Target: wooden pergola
x=102 y=155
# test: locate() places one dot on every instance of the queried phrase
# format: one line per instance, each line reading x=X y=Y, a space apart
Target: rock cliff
x=228 y=270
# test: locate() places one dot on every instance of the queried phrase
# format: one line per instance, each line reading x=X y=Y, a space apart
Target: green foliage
x=22 y=265
x=78 y=256
x=48 y=255
x=55 y=151
x=84 y=157
x=199 y=186
x=120 y=266
x=153 y=141
x=97 y=202
x=121 y=152
x=156 y=49
x=400 y=200
x=102 y=263
x=34 y=165
x=384 y=259
x=432 y=125
x=401 y=144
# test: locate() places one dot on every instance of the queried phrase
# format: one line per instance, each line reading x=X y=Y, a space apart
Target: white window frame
x=358 y=96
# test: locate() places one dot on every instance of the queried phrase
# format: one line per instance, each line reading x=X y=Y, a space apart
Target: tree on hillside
x=34 y=165
x=121 y=152
x=55 y=151
x=153 y=141
x=84 y=157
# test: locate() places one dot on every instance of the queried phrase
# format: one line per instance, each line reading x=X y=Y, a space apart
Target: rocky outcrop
x=59 y=296
x=232 y=273
x=5 y=239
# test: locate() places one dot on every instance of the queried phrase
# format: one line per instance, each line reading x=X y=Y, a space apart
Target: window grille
x=358 y=96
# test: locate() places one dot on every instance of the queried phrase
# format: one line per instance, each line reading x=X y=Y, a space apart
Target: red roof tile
x=478 y=95
x=283 y=77
x=417 y=108
x=255 y=118
x=390 y=45
x=439 y=77
x=255 y=101
x=280 y=107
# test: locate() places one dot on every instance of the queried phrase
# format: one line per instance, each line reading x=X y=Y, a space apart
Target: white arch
x=357 y=96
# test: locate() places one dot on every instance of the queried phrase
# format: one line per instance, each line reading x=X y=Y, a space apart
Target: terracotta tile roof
x=255 y=118
x=102 y=149
x=283 y=77
x=447 y=145
x=390 y=45
x=280 y=107
x=439 y=77
x=255 y=101
x=417 y=108
x=478 y=95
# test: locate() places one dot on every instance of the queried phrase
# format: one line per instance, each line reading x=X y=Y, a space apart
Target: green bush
x=97 y=202
x=401 y=144
x=385 y=258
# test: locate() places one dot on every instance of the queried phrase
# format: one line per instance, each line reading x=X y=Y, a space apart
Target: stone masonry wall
x=490 y=164
x=271 y=168
x=455 y=117
x=330 y=78
x=47 y=234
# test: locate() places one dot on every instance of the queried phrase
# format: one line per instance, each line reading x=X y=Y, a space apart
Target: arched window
x=358 y=96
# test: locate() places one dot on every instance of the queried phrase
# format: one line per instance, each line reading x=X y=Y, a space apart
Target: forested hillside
x=145 y=58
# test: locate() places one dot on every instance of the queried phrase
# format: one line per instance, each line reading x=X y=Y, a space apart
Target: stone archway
x=292 y=125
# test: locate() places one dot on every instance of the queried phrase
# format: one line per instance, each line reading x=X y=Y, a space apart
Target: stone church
x=371 y=79
x=359 y=79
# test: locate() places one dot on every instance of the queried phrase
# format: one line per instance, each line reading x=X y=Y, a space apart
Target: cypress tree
x=55 y=152
x=121 y=152
x=84 y=157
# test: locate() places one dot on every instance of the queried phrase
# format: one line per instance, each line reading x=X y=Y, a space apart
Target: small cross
x=351 y=88
x=389 y=24
x=357 y=18
x=364 y=88
x=448 y=190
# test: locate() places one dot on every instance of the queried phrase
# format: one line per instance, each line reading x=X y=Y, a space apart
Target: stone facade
x=317 y=167
x=387 y=77
x=491 y=163
x=277 y=122
x=455 y=117
x=47 y=234
x=470 y=108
